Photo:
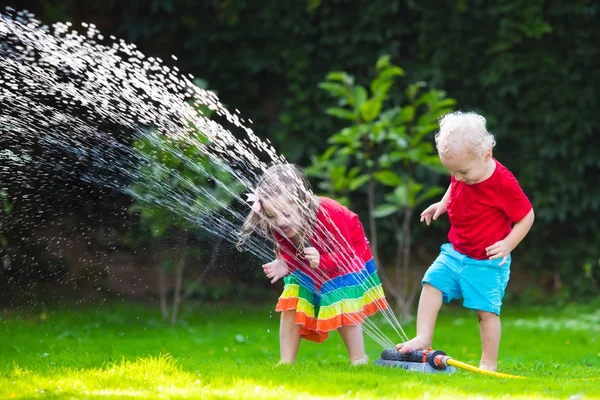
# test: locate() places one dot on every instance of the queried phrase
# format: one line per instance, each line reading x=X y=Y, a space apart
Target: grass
x=126 y=351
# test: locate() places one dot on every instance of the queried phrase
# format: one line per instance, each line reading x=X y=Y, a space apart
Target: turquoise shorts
x=481 y=283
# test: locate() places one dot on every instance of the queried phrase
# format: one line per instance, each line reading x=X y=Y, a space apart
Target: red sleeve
x=287 y=253
x=343 y=256
x=515 y=203
x=289 y=261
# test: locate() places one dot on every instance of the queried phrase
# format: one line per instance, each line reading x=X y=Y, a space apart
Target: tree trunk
x=405 y=279
x=179 y=269
x=387 y=285
x=207 y=269
x=406 y=265
x=372 y=223
x=398 y=263
x=6 y=260
x=162 y=291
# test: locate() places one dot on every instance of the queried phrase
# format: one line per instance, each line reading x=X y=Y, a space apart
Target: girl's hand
x=497 y=250
x=433 y=212
x=313 y=257
x=276 y=270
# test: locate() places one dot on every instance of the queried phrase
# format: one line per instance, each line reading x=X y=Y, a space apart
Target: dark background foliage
x=529 y=66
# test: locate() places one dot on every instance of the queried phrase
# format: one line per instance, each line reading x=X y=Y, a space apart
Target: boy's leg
x=352 y=336
x=490 y=329
x=483 y=283
x=289 y=337
x=429 y=306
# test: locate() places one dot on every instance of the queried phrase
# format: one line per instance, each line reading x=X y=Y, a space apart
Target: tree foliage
x=178 y=186
x=378 y=155
x=529 y=66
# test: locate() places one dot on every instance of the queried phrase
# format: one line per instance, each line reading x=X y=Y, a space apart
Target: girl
x=325 y=260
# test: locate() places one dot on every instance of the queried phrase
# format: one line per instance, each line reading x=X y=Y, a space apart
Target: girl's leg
x=429 y=306
x=490 y=329
x=352 y=336
x=289 y=337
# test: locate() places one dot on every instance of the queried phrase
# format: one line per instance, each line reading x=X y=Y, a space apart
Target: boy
x=483 y=202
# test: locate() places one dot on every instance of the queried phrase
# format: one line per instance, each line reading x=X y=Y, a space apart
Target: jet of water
x=79 y=98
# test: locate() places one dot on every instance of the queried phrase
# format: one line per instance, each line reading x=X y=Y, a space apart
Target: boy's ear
x=488 y=154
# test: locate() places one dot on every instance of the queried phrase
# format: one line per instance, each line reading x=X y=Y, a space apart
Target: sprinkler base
x=413 y=366
x=428 y=361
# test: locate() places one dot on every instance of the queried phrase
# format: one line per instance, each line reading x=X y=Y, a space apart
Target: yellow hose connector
x=462 y=365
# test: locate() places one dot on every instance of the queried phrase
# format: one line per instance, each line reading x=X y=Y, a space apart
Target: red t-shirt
x=339 y=238
x=483 y=214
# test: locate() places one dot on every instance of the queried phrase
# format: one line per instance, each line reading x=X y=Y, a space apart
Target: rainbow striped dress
x=345 y=288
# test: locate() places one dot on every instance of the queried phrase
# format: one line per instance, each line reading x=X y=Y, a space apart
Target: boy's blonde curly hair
x=282 y=179
x=463 y=133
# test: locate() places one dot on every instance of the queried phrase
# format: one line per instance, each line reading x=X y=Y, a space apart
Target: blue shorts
x=480 y=282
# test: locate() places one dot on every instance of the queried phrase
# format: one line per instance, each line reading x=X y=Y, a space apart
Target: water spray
x=80 y=99
x=66 y=92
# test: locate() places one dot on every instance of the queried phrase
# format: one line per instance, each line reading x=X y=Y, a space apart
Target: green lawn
x=126 y=351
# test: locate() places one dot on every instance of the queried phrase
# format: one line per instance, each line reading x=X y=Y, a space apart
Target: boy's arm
x=447 y=195
x=437 y=209
x=503 y=248
x=518 y=209
x=519 y=231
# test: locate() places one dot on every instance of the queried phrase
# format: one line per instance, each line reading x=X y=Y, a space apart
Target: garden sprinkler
x=431 y=361
x=420 y=360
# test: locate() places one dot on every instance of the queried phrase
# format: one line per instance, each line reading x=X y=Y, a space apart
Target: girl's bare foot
x=417 y=343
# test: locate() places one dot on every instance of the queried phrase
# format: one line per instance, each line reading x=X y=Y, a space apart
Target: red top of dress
x=339 y=238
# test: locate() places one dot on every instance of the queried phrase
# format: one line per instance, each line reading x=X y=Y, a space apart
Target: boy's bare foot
x=492 y=368
x=417 y=343
x=282 y=362
x=360 y=361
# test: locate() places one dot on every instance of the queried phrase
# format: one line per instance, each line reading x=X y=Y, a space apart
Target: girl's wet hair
x=463 y=133
x=282 y=180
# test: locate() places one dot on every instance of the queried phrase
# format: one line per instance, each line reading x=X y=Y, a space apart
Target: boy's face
x=283 y=214
x=468 y=168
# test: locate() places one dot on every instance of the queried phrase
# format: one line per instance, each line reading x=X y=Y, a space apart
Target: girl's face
x=468 y=168
x=283 y=214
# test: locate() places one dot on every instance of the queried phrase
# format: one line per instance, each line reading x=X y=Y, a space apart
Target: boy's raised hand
x=276 y=270
x=433 y=212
